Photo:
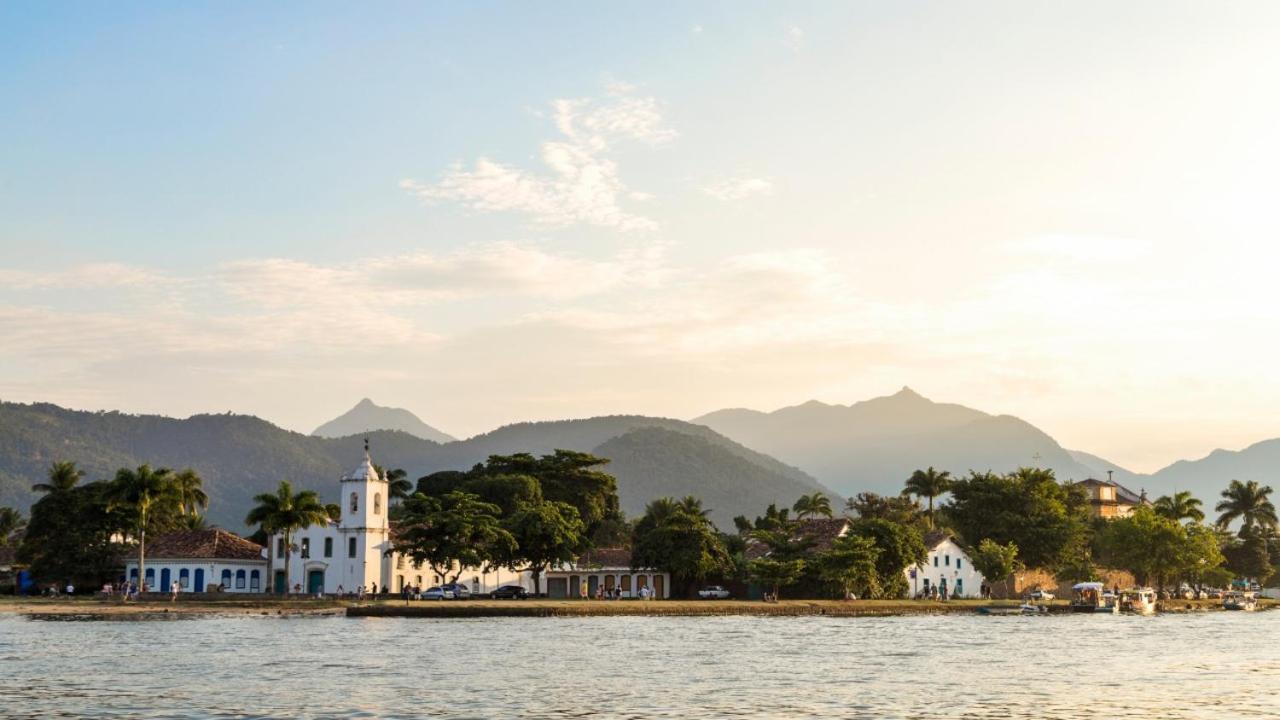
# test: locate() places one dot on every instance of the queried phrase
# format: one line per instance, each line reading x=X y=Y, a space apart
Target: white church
x=343 y=556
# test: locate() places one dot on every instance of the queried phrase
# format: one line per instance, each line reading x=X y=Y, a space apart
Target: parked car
x=1042 y=595
x=713 y=592
x=458 y=591
x=509 y=592
x=436 y=593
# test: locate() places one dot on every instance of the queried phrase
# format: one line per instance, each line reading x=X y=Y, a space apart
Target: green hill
x=239 y=456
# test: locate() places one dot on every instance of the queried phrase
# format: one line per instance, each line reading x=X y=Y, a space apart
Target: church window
x=306 y=548
x=351 y=547
x=355 y=502
x=399 y=562
x=328 y=547
x=280 y=547
x=377 y=503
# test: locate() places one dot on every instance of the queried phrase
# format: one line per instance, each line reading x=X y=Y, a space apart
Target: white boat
x=1093 y=597
x=1236 y=600
x=1139 y=601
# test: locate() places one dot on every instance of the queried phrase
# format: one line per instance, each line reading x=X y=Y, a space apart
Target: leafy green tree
x=678 y=538
x=895 y=508
x=1028 y=508
x=1180 y=506
x=1248 y=556
x=928 y=484
x=399 y=487
x=850 y=565
x=996 y=562
x=70 y=535
x=566 y=476
x=545 y=533
x=1157 y=549
x=153 y=501
x=286 y=512
x=900 y=547
x=334 y=511
x=815 y=504
x=456 y=530
x=775 y=574
x=1249 y=502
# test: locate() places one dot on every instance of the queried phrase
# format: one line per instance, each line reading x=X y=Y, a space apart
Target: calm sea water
x=1197 y=666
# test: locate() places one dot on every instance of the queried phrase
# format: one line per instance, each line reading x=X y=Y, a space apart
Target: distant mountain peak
x=368 y=416
x=907 y=393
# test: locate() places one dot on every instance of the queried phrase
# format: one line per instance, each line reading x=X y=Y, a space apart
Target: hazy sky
x=497 y=212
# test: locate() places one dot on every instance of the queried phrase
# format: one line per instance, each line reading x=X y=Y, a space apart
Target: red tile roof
x=207 y=544
x=605 y=557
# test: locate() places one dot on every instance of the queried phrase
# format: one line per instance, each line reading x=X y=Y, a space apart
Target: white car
x=713 y=592
x=436 y=593
x=1043 y=595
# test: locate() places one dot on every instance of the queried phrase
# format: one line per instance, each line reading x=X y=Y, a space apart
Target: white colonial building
x=209 y=560
x=603 y=570
x=947 y=569
x=353 y=552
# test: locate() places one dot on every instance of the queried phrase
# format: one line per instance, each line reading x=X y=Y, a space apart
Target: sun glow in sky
x=499 y=212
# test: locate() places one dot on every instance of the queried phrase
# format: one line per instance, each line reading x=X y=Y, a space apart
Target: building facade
x=1108 y=499
x=604 y=570
x=209 y=560
x=947 y=570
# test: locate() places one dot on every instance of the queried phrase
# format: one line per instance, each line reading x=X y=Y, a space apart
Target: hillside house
x=1108 y=499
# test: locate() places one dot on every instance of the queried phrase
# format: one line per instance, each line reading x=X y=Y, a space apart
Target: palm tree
x=62 y=477
x=146 y=494
x=1247 y=501
x=813 y=505
x=194 y=499
x=693 y=507
x=11 y=521
x=1181 y=506
x=928 y=484
x=286 y=512
x=398 y=486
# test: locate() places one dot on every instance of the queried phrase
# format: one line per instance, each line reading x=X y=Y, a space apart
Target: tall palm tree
x=62 y=477
x=813 y=505
x=693 y=507
x=399 y=486
x=287 y=512
x=11 y=521
x=928 y=484
x=194 y=499
x=1247 y=501
x=146 y=494
x=1181 y=506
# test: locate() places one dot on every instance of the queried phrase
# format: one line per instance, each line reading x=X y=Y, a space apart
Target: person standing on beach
x=173 y=591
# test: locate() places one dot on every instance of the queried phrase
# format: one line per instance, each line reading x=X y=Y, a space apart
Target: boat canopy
x=1088 y=586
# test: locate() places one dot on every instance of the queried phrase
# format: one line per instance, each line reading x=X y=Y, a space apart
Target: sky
x=493 y=212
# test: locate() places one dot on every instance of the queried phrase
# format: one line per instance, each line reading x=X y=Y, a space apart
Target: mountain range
x=737 y=460
x=876 y=444
x=239 y=456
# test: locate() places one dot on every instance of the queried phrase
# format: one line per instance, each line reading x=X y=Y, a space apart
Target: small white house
x=605 y=569
x=947 y=569
x=202 y=561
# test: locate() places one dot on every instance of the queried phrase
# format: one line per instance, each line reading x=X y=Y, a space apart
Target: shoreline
x=93 y=608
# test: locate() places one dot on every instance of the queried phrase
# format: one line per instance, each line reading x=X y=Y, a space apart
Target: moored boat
x=1093 y=597
x=1139 y=601
x=1237 y=600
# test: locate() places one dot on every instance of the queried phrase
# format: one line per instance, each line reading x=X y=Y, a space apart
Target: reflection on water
x=1193 y=666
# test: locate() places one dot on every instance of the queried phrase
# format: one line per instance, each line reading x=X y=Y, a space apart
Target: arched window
x=239 y=579
x=226 y=578
x=151 y=578
x=377 y=503
x=184 y=578
x=255 y=581
x=355 y=502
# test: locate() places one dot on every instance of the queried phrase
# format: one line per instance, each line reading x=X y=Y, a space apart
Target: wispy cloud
x=739 y=188
x=582 y=185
